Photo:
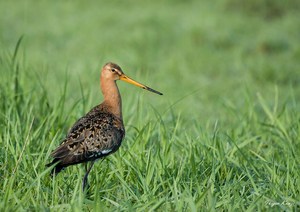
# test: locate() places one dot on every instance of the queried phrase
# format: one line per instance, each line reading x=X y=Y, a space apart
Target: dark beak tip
x=151 y=90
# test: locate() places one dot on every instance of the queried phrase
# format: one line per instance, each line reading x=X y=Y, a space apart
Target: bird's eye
x=113 y=70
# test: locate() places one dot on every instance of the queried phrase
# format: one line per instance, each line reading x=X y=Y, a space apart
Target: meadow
x=223 y=137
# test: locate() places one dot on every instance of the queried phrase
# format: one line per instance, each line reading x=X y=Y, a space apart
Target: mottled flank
x=93 y=136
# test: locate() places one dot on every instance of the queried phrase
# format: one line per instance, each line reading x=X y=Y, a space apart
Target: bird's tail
x=56 y=169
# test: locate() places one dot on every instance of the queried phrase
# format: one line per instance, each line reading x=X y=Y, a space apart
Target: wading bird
x=98 y=133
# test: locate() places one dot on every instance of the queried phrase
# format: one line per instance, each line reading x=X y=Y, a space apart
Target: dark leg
x=86 y=166
x=85 y=178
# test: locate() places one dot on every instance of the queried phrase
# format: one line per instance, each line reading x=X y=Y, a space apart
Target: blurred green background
x=212 y=51
x=229 y=72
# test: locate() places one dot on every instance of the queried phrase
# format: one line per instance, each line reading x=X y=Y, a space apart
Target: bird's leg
x=85 y=178
x=86 y=166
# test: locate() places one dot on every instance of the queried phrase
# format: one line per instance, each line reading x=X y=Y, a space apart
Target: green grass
x=225 y=135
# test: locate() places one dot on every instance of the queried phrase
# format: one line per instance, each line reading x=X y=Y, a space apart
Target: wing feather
x=95 y=135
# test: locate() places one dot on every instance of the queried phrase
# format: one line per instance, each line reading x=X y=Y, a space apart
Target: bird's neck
x=112 y=97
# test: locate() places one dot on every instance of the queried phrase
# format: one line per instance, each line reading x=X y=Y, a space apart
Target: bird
x=100 y=132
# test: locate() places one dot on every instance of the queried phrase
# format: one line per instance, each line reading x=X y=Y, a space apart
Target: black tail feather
x=57 y=168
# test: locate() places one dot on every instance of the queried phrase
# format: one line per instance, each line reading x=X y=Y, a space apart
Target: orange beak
x=123 y=77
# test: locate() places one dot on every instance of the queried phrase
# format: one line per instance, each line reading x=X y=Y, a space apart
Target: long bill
x=123 y=77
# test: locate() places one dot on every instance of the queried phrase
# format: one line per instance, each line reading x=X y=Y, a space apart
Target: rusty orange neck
x=112 y=97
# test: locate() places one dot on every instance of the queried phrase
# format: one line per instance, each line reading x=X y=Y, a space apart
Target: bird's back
x=95 y=135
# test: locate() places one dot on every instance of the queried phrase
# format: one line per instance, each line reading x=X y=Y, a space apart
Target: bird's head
x=112 y=71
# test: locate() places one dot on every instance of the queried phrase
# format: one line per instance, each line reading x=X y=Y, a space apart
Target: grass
x=225 y=135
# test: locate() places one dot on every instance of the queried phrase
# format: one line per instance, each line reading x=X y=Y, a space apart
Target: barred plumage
x=93 y=136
